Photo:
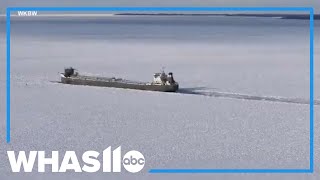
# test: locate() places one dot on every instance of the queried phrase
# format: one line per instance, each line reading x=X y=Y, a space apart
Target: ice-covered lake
x=257 y=57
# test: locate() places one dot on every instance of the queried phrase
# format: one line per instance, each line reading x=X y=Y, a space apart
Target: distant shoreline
x=278 y=16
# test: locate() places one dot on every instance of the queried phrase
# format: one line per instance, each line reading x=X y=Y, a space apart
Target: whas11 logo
x=133 y=161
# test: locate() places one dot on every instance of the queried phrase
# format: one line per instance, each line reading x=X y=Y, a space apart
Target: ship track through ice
x=230 y=95
x=165 y=83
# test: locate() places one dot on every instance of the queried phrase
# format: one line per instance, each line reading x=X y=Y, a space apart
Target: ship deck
x=108 y=79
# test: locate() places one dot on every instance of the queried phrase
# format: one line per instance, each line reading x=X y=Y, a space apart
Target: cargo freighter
x=161 y=81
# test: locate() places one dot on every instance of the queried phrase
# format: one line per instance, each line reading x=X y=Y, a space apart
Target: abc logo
x=133 y=161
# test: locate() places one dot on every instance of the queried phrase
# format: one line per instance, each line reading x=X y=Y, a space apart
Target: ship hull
x=119 y=84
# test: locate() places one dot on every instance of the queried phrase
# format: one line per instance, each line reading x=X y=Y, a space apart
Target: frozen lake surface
x=253 y=57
